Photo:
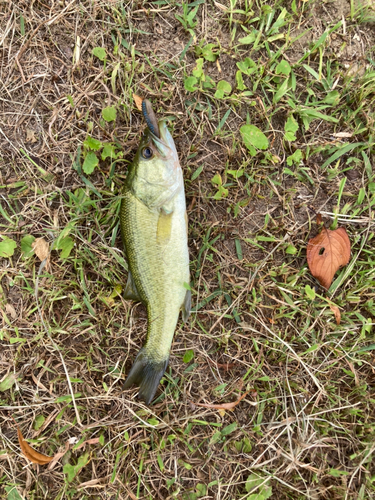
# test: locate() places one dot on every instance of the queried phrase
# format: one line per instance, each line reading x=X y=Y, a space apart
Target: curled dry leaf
x=31 y=454
x=89 y=441
x=41 y=248
x=223 y=406
x=57 y=456
x=326 y=253
x=336 y=312
x=138 y=101
x=70 y=443
x=10 y=310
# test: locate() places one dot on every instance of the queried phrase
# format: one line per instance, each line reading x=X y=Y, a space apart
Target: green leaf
x=70 y=99
x=332 y=98
x=291 y=128
x=38 y=422
x=291 y=250
x=253 y=137
x=313 y=348
x=249 y=38
x=296 y=158
x=109 y=113
x=342 y=151
x=283 y=68
x=8 y=382
x=229 y=429
x=109 y=150
x=189 y=83
x=113 y=77
x=160 y=462
x=91 y=161
x=201 y=489
x=7 y=247
x=247 y=66
x=239 y=80
x=223 y=87
x=153 y=421
x=72 y=470
x=208 y=53
x=93 y=144
x=26 y=243
x=208 y=82
x=67 y=398
x=197 y=173
x=281 y=91
x=216 y=180
x=65 y=245
x=188 y=356
x=266 y=492
x=310 y=114
x=12 y=493
x=337 y=473
x=221 y=193
x=253 y=481
x=99 y=52
x=198 y=70
x=215 y=438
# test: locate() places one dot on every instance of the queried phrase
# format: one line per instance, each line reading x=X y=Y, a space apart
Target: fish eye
x=147 y=153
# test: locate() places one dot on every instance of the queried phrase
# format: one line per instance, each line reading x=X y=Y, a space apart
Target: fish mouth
x=158 y=132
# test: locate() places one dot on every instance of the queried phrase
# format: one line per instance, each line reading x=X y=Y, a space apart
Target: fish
x=154 y=229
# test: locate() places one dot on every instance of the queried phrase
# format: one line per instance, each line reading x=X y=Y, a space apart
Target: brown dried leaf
x=41 y=248
x=101 y=482
x=221 y=6
x=326 y=253
x=10 y=310
x=57 y=456
x=138 y=101
x=68 y=445
x=319 y=219
x=336 y=312
x=30 y=135
x=89 y=441
x=222 y=406
x=31 y=454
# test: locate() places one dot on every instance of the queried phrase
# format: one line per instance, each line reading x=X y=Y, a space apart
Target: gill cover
x=155 y=176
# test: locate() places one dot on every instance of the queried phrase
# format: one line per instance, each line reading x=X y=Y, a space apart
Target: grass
x=271 y=108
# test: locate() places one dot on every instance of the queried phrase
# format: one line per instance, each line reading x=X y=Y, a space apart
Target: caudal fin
x=146 y=374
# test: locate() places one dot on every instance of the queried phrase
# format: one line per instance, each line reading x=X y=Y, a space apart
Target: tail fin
x=146 y=374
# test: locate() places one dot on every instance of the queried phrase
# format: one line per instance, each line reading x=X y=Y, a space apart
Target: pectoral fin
x=131 y=292
x=186 y=306
x=164 y=228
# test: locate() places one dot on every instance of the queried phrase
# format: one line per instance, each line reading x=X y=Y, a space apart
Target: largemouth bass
x=154 y=232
